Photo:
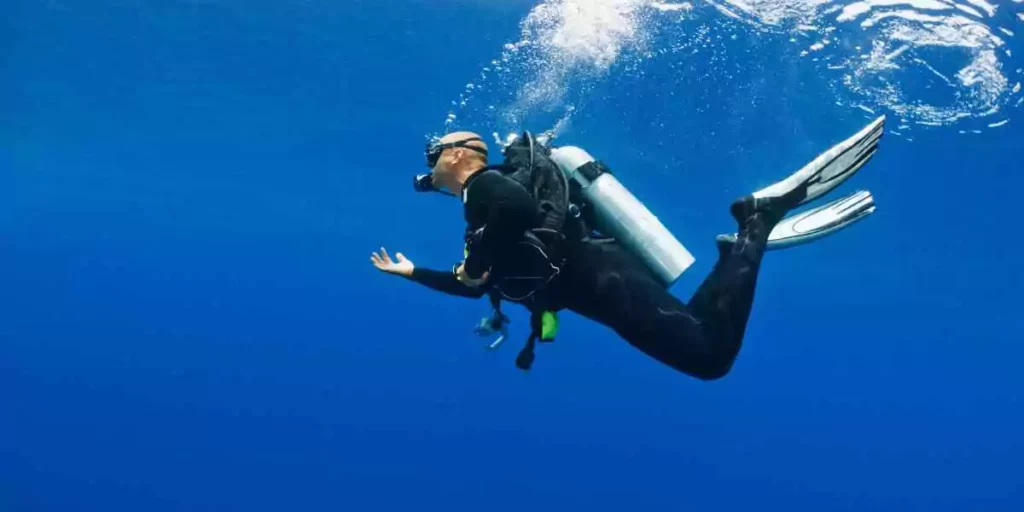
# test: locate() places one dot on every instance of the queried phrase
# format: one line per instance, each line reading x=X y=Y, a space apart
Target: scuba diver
x=551 y=228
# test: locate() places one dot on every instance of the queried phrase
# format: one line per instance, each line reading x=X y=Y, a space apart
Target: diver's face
x=443 y=172
x=447 y=161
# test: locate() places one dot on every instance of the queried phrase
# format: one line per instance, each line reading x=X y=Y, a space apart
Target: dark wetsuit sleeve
x=511 y=210
x=444 y=282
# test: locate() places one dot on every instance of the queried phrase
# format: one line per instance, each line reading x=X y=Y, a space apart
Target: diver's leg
x=701 y=339
x=612 y=287
x=724 y=300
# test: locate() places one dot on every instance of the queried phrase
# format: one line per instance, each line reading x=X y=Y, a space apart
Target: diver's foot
x=750 y=243
x=725 y=244
x=770 y=209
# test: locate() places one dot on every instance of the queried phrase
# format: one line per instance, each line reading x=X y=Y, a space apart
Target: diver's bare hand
x=384 y=263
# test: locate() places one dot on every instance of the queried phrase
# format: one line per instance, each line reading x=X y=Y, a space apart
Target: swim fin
x=812 y=181
x=830 y=168
x=816 y=223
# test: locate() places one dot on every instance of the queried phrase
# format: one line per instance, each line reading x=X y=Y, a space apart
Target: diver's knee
x=710 y=375
x=712 y=369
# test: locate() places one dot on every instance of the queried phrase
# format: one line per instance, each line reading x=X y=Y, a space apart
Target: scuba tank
x=615 y=212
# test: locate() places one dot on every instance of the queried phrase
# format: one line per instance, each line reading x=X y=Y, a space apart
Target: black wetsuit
x=604 y=282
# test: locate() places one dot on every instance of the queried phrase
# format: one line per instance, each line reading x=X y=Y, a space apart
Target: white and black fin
x=831 y=168
x=821 y=221
x=815 y=223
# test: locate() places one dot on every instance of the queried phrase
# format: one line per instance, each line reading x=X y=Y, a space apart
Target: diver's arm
x=444 y=282
x=511 y=210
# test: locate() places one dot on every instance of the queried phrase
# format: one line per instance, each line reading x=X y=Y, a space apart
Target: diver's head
x=453 y=158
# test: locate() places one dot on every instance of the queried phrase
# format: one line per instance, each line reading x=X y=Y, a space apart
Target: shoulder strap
x=535 y=170
x=551 y=187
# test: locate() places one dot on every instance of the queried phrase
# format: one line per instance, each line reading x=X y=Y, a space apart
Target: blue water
x=190 y=191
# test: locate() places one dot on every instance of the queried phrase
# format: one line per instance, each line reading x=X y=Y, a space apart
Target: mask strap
x=460 y=144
